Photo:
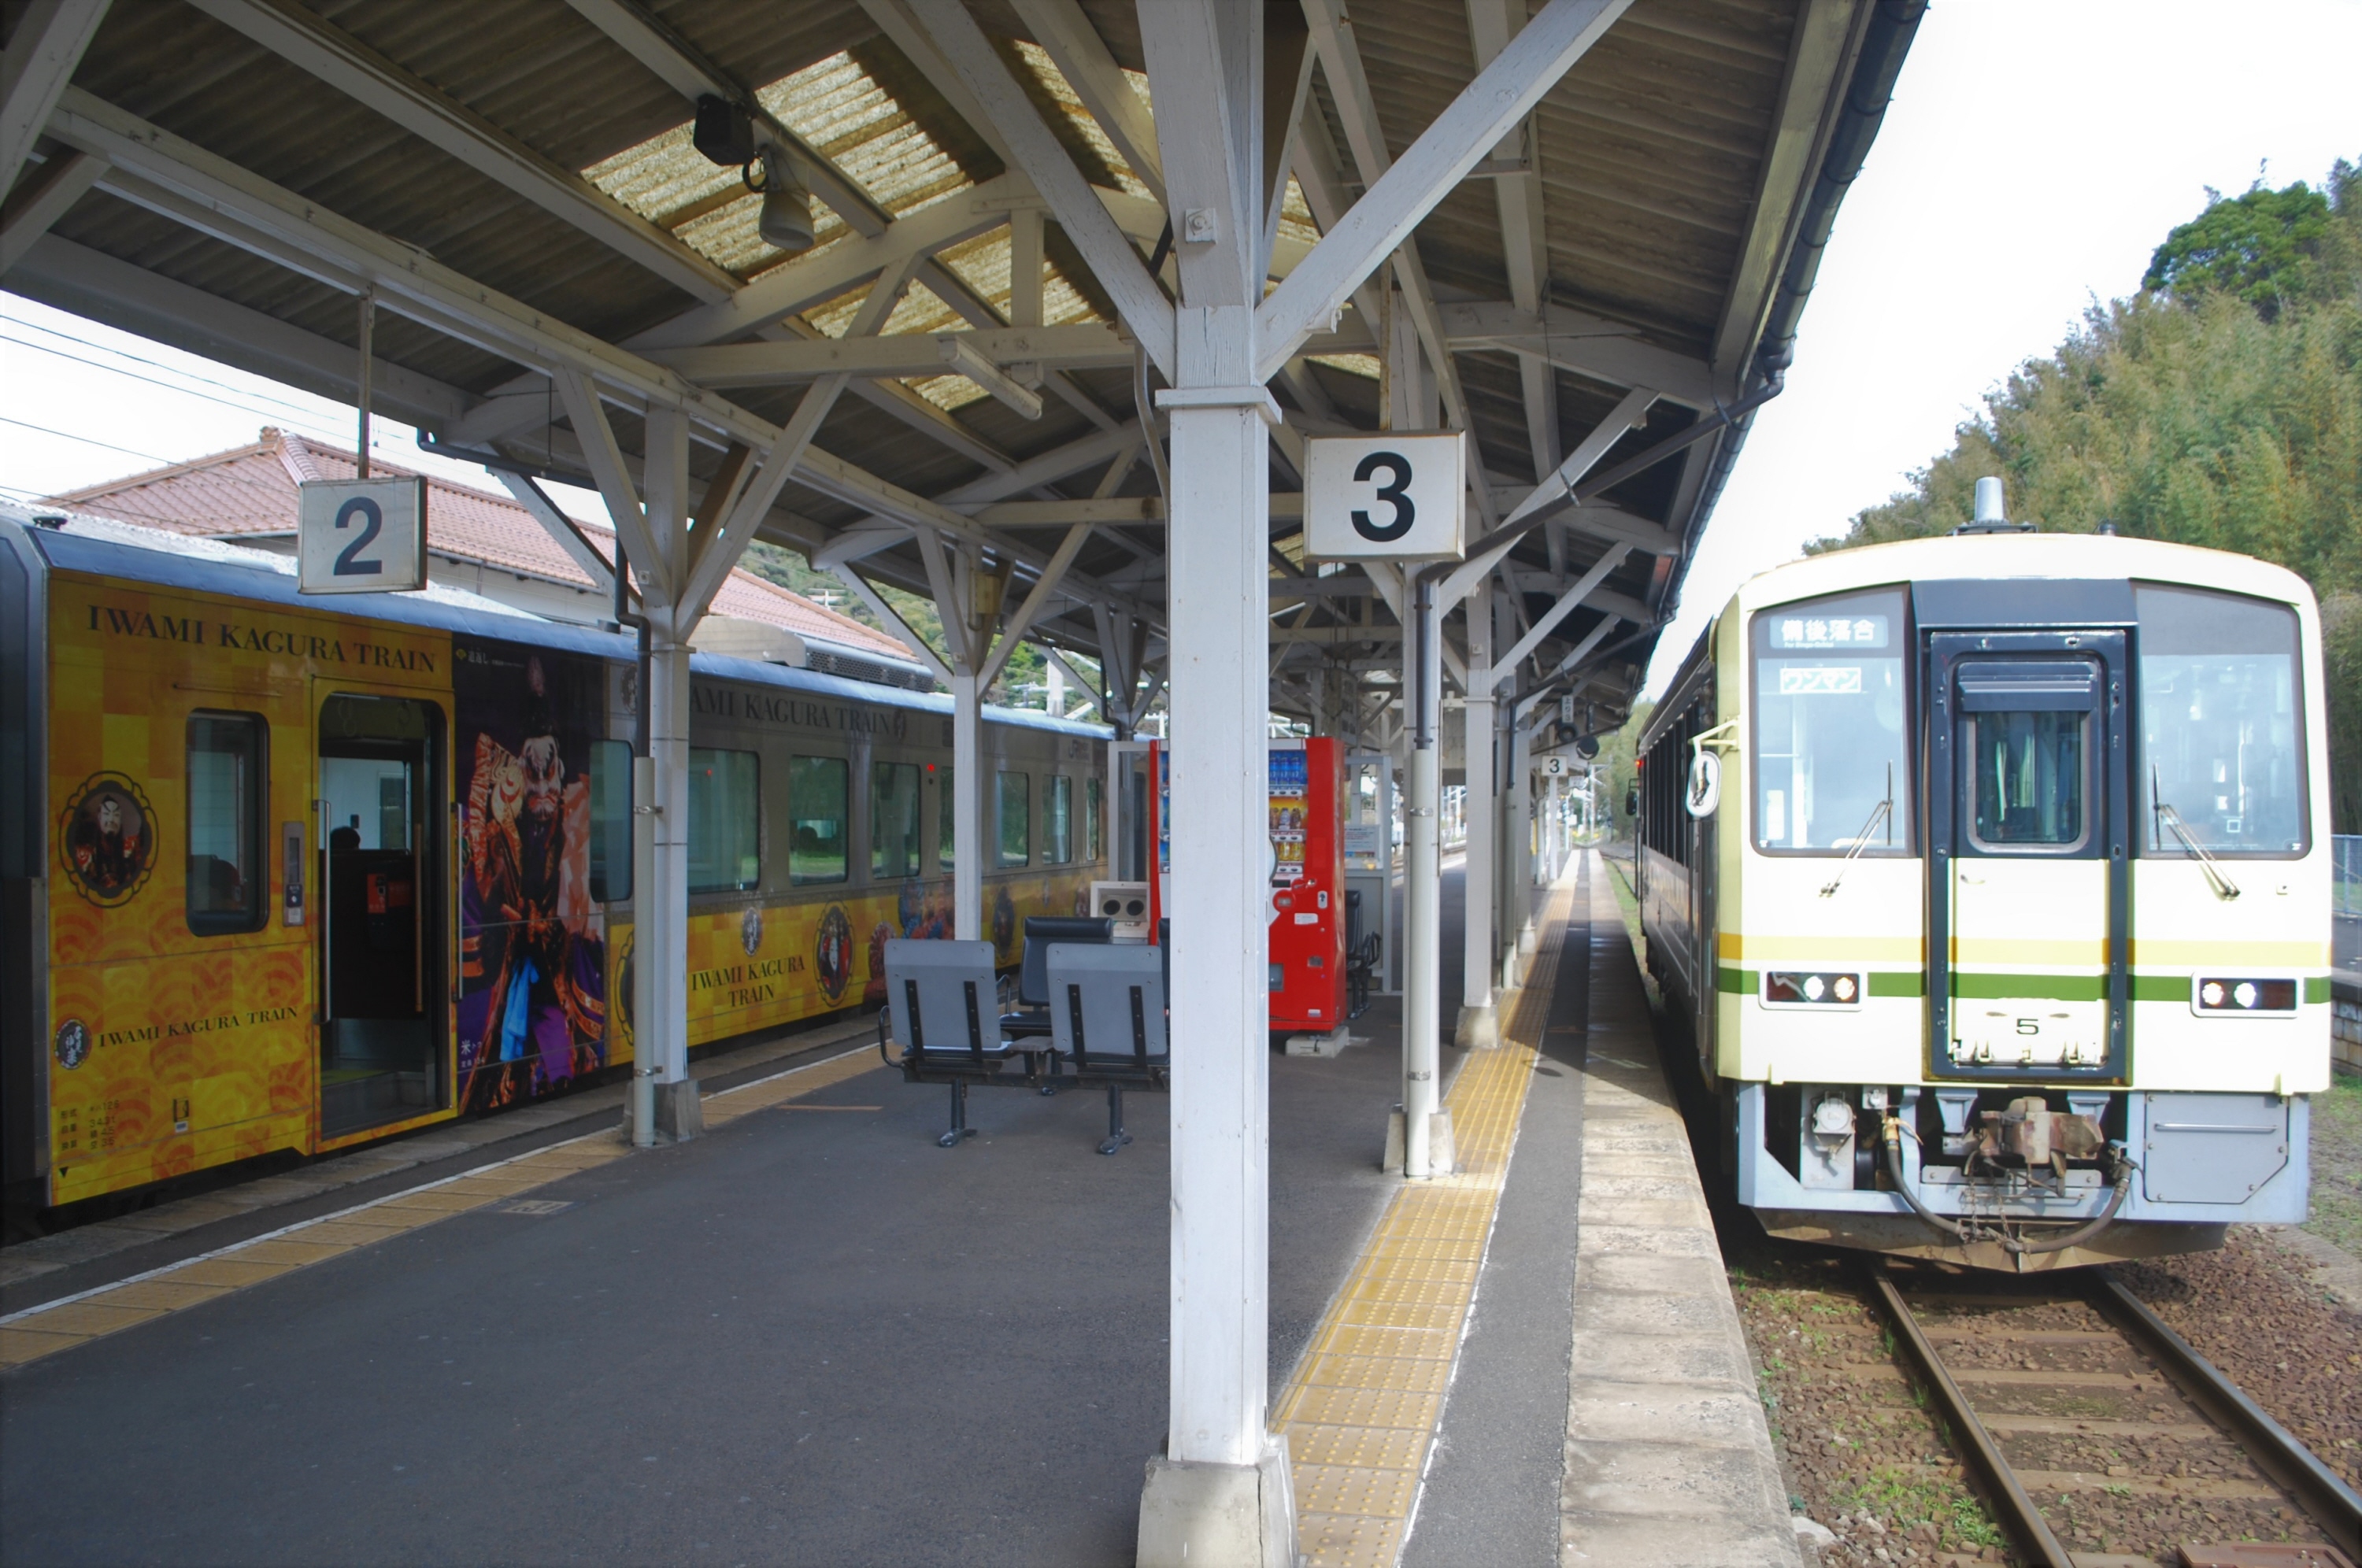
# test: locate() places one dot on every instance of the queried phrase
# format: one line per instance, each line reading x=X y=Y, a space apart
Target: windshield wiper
x=2223 y=887
x=1882 y=811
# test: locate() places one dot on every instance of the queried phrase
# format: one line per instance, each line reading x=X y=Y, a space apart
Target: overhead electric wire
x=319 y=426
x=85 y=440
x=138 y=360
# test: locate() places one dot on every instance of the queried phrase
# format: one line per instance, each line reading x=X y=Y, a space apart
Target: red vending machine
x=1306 y=788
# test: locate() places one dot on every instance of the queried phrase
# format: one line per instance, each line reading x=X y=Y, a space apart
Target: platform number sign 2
x=362 y=536
x=1390 y=496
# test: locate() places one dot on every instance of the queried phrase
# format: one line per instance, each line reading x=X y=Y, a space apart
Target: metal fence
x=2345 y=899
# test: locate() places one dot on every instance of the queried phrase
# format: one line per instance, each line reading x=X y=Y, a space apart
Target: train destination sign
x=1391 y=496
x=361 y=536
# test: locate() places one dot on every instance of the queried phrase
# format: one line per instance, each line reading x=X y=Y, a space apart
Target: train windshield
x=2222 y=764
x=1831 y=766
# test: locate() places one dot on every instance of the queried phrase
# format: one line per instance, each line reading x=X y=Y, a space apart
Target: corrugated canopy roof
x=1654 y=223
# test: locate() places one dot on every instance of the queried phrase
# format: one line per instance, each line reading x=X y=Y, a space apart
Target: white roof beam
x=559 y=527
x=894 y=621
x=1081 y=55
x=1501 y=96
x=649 y=564
x=1826 y=36
x=717 y=548
x=1117 y=267
x=47 y=43
x=1518 y=198
x=829 y=271
x=417 y=106
x=277 y=221
x=59 y=184
x=1349 y=88
x=1561 y=482
x=1085 y=346
x=92 y=283
x=1587 y=344
x=1564 y=606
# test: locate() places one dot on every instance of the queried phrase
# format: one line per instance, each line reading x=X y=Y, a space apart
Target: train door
x=2029 y=896
x=382 y=930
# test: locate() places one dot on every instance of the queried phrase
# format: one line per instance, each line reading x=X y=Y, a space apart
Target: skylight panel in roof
x=1061 y=92
x=841 y=111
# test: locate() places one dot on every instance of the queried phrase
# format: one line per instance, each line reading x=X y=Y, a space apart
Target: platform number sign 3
x=362 y=536
x=1390 y=496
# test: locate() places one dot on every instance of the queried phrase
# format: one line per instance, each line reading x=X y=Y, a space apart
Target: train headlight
x=2245 y=996
x=1812 y=988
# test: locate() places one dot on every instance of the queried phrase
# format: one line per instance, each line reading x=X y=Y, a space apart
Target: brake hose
x=1893 y=1137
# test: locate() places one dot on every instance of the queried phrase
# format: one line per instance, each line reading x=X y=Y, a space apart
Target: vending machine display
x=1306 y=904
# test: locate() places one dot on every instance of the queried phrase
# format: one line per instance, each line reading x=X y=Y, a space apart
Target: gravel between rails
x=1863 y=1455
x=2253 y=1311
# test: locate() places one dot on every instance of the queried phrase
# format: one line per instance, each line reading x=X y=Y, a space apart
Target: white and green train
x=1991 y=875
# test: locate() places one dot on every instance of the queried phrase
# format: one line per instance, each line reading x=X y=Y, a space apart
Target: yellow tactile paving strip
x=1360 y=1412
x=60 y=1325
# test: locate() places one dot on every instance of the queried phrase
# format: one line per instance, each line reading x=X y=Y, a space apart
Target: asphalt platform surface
x=811 y=1336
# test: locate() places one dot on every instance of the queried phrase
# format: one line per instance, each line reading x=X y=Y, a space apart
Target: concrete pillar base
x=1219 y=1516
x=1332 y=1043
x=1479 y=1028
x=680 y=1113
x=1441 y=1155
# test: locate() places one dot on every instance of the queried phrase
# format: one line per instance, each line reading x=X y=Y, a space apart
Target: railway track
x=2089 y=1421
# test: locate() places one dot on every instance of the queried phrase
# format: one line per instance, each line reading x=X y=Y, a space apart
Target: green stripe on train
x=1737 y=982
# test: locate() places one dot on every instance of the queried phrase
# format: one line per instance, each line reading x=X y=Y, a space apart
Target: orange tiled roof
x=252 y=492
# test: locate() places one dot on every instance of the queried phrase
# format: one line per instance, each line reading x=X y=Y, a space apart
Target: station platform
x=813 y=1336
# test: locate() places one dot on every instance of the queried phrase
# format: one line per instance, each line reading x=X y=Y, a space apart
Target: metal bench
x=1030 y=1020
x=1107 y=1016
x=943 y=1004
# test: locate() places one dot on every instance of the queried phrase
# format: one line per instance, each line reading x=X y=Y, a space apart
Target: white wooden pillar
x=1479 y=1025
x=967 y=803
x=1222 y=1493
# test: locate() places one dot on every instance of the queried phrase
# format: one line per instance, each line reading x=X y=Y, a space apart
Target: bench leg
x=1117 y=1137
x=959 y=1128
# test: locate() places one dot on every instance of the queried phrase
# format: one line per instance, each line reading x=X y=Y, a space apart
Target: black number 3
x=1392 y=494
x=348 y=562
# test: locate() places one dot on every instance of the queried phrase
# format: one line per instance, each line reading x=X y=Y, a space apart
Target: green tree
x=2257 y=247
x=2223 y=410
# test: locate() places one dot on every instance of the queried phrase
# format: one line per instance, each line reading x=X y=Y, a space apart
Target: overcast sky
x=2037 y=151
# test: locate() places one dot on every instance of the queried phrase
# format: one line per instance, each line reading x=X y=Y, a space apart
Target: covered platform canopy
x=1075 y=284
x=520 y=190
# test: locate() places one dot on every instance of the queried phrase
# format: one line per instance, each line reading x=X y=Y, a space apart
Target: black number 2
x=348 y=562
x=1392 y=494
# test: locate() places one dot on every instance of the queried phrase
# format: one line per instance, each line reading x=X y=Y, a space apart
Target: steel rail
x=2333 y=1504
x=2029 y=1532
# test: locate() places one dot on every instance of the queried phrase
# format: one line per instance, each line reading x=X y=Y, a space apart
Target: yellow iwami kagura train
x=289 y=874
x=1992 y=874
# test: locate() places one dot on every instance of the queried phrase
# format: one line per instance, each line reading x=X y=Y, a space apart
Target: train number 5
x=348 y=562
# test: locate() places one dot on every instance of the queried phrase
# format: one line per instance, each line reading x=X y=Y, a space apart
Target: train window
x=893 y=820
x=2029 y=774
x=1058 y=821
x=228 y=786
x=1015 y=811
x=2222 y=765
x=947 y=834
x=816 y=820
x=610 y=821
x=724 y=821
x=1831 y=698
x=1093 y=810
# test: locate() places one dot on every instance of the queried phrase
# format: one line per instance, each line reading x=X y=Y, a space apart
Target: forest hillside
x=2220 y=406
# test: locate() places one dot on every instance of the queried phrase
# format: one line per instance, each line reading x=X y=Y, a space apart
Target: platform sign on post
x=1388 y=496
x=361 y=536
